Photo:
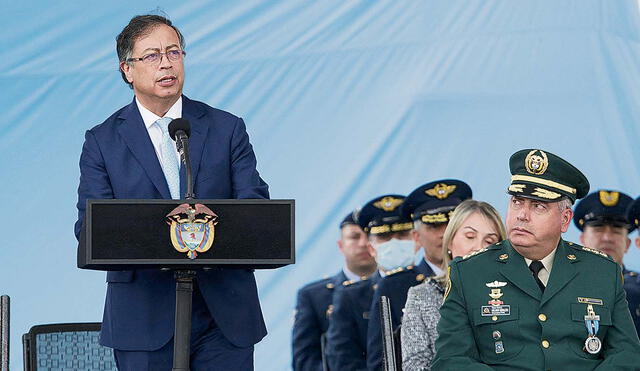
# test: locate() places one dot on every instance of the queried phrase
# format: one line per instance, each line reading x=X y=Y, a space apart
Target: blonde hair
x=460 y=214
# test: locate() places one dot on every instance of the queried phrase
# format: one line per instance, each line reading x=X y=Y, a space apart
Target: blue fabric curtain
x=343 y=100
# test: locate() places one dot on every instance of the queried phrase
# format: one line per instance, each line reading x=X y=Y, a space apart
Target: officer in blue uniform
x=429 y=207
x=390 y=243
x=602 y=218
x=631 y=278
x=314 y=303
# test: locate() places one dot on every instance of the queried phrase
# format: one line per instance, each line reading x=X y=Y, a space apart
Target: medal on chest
x=592 y=345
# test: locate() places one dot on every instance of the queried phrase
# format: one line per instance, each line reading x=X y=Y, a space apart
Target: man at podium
x=131 y=156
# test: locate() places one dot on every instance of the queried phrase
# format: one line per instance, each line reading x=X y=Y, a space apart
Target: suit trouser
x=210 y=350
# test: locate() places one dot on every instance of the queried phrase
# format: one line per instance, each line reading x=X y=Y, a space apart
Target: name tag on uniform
x=590 y=301
x=496 y=310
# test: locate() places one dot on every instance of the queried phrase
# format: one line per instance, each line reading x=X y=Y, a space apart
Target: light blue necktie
x=170 y=163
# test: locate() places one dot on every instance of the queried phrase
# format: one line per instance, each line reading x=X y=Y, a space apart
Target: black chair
x=4 y=333
x=391 y=352
x=66 y=346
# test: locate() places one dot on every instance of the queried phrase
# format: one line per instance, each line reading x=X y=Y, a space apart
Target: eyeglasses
x=172 y=55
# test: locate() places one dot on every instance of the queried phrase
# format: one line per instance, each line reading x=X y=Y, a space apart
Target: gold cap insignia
x=441 y=191
x=536 y=164
x=388 y=203
x=609 y=198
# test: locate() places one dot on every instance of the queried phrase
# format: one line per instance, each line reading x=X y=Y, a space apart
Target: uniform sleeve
x=417 y=341
x=343 y=348
x=374 y=331
x=306 y=349
x=455 y=347
x=245 y=179
x=621 y=346
x=94 y=180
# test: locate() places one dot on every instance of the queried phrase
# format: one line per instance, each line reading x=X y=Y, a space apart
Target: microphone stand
x=184 y=279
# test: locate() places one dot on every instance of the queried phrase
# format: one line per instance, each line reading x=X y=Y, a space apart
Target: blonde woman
x=473 y=226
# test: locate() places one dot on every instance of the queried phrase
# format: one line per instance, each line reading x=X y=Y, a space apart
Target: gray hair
x=564 y=204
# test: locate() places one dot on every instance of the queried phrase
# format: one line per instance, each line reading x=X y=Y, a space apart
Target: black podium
x=186 y=236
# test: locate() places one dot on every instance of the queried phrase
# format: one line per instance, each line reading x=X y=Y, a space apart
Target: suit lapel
x=515 y=270
x=562 y=272
x=136 y=137
x=193 y=113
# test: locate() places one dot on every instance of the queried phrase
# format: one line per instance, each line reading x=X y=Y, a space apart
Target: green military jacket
x=519 y=327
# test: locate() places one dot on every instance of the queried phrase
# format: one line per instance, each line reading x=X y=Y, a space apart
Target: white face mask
x=395 y=253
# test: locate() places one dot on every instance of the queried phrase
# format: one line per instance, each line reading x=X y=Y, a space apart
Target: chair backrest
x=66 y=346
x=4 y=333
x=388 y=341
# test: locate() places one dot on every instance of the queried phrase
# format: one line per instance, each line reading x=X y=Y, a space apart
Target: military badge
x=441 y=191
x=536 y=164
x=496 y=306
x=388 y=203
x=192 y=228
x=609 y=199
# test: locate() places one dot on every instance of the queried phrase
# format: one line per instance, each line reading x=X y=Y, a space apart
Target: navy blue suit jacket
x=313 y=308
x=395 y=287
x=118 y=161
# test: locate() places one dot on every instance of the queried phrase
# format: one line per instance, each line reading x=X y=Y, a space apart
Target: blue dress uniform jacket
x=394 y=286
x=527 y=329
x=313 y=308
x=118 y=161
x=347 y=334
x=632 y=288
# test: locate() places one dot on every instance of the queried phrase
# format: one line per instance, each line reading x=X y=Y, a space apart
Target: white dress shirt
x=155 y=133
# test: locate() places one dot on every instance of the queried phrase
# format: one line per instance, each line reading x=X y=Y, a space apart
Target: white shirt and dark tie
x=541 y=269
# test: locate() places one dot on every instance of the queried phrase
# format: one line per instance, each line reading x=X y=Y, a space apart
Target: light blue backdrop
x=344 y=100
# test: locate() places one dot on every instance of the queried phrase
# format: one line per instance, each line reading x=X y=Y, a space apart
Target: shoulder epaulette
x=594 y=251
x=348 y=282
x=397 y=270
x=475 y=253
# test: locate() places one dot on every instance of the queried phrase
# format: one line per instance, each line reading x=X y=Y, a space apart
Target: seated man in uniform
x=429 y=206
x=602 y=218
x=314 y=304
x=535 y=301
x=390 y=243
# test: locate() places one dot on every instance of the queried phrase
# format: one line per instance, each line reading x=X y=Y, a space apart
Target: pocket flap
x=579 y=310
x=495 y=314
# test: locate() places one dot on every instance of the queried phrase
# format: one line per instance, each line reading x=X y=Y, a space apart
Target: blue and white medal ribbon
x=592 y=345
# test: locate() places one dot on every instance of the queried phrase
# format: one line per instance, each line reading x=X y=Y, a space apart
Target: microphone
x=180 y=130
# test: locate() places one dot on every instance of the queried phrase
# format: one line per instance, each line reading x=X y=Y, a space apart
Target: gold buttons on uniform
x=545 y=344
x=571 y=257
x=542 y=317
x=495 y=318
x=330 y=285
x=503 y=257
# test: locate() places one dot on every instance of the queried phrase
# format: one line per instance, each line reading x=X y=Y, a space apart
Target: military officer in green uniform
x=535 y=301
